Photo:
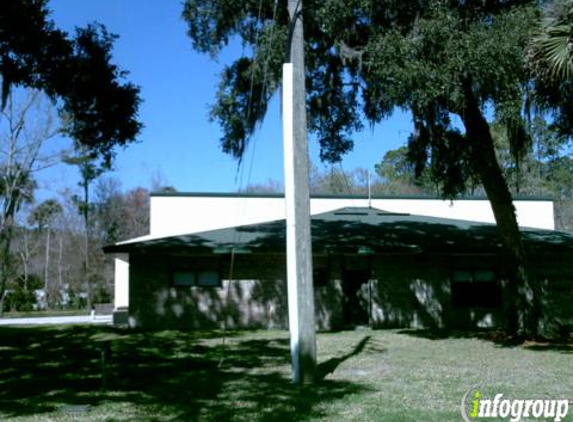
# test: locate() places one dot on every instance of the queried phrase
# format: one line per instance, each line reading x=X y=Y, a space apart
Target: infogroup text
x=475 y=407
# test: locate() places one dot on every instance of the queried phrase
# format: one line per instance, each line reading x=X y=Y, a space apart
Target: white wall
x=179 y=214
x=121 y=286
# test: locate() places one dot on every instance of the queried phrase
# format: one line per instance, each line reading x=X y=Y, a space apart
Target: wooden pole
x=297 y=198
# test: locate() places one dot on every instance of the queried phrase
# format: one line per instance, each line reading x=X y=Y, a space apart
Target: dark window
x=320 y=277
x=188 y=278
x=475 y=289
x=184 y=278
x=208 y=279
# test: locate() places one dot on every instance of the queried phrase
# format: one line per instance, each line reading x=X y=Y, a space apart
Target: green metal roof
x=356 y=230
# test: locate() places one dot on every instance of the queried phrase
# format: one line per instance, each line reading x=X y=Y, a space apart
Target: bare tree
x=43 y=216
x=27 y=123
x=70 y=268
x=90 y=168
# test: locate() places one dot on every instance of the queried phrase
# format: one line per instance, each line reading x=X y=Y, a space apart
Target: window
x=208 y=279
x=196 y=278
x=184 y=278
x=475 y=289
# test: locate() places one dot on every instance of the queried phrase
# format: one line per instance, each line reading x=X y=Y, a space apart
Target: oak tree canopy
x=98 y=106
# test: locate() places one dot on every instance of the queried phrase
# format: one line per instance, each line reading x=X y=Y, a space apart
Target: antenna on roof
x=369 y=190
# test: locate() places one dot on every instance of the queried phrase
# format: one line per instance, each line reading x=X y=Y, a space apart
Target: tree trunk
x=25 y=256
x=47 y=268
x=4 y=265
x=60 y=256
x=6 y=233
x=86 y=184
x=522 y=312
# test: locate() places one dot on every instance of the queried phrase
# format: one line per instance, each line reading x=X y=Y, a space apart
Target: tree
x=100 y=108
x=451 y=63
x=546 y=169
x=136 y=212
x=70 y=262
x=20 y=159
x=43 y=216
x=549 y=57
x=333 y=180
x=119 y=215
x=271 y=186
x=398 y=176
x=90 y=170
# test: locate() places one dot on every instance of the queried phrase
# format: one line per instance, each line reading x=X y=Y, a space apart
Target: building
x=214 y=260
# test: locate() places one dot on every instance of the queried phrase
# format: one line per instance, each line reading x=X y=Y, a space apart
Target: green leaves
x=245 y=88
x=211 y=24
x=554 y=48
x=44 y=213
x=551 y=50
x=365 y=58
x=100 y=108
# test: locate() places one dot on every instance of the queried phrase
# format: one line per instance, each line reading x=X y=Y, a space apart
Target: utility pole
x=297 y=198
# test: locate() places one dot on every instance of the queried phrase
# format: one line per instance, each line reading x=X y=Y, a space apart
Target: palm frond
x=550 y=52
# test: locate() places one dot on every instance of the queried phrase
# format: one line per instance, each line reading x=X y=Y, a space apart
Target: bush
x=20 y=300
x=76 y=301
x=560 y=330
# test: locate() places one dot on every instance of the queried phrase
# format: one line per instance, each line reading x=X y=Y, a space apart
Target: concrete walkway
x=81 y=319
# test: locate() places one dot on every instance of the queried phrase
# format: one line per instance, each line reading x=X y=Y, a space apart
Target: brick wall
x=402 y=291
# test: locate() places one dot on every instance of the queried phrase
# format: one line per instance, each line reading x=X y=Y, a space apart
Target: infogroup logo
x=475 y=406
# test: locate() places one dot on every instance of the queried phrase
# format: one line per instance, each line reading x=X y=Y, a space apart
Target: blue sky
x=178 y=142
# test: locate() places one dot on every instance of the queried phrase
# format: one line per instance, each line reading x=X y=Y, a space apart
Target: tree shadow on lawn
x=172 y=375
x=496 y=336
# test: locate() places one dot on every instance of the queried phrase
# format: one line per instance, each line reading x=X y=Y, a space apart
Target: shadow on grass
x=329 y=366
x=171 y=375
x=496 y=336
x=544 y=347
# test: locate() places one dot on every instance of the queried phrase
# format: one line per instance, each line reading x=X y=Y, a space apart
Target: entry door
x=355 y=305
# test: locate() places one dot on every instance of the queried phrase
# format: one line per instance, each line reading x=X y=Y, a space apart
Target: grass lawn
x=55 y=374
